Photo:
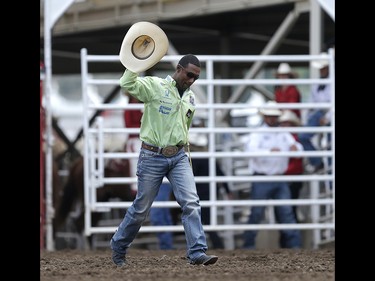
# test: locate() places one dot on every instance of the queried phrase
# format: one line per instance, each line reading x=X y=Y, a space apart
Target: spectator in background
x=132 y=119
x=317 y=117
x=295 y=166
x=287 y=92
x=201 y=166
x=162 y=216
x=271 y=165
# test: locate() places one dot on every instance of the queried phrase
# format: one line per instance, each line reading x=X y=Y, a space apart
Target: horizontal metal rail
x=179 y=228
x=220 y=203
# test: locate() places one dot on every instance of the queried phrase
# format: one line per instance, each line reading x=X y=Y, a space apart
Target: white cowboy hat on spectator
x=270 y=111
x=143 y=46
x=290 y=116
x=198 y=139
x=284 y=68
x=320 y=63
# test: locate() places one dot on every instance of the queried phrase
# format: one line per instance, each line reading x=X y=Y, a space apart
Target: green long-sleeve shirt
x=167 y=116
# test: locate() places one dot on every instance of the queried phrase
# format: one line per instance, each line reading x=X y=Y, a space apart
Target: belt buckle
x=169 y=151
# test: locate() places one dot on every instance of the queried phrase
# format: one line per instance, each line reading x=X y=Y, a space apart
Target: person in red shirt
x=132 y=119
x=287 y=93
x=295 y=166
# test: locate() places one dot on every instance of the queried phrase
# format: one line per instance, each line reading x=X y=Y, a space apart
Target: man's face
x=324 y=72
x=186 y=76
x=270 y=120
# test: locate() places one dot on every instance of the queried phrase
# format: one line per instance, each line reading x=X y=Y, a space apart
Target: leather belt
x=167 y=151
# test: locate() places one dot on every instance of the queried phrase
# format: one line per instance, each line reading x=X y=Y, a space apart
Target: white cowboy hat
x=320 y=63
x=198 y=139
x=143 y=46
x=284 y=68
x=270 y=111
x=290 y=116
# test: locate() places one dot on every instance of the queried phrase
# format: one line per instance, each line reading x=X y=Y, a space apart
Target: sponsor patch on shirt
x=192 y=101
x=166 y=93
x=165 y=109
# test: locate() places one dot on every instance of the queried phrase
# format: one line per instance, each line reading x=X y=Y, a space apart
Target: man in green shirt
x=169 y=106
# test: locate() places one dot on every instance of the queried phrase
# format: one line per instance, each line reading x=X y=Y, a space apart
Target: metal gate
x=320 y=200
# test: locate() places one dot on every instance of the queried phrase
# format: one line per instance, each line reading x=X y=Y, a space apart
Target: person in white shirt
x=272 y=165
x=317 y=117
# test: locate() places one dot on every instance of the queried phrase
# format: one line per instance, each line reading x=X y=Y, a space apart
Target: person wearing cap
x=169 y=107
x=268 y=166
x=295 y=166
x=317 y=117
x=287 y=92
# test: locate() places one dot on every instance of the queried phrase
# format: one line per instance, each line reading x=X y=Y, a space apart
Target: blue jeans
x=289 y=238
x=305 y=138
x=151 y=169
x=162 y=216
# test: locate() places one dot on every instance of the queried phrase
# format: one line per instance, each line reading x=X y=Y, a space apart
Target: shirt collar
x=171 y=80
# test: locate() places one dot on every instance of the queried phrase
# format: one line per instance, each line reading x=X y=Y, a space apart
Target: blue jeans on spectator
x=289 y=238
x=162 y=216
x=151 y=169
x=305 y=138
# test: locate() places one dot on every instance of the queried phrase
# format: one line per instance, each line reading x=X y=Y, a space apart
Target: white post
x=48 y=120
x=315 y=213
x=53 y=9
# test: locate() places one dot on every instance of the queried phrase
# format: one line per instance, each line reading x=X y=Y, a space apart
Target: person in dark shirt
x=201 y=168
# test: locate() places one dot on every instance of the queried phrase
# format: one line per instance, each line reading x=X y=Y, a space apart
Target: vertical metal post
x=53 y=9
x=315 y=214
x=48 y=126
x=41 y=165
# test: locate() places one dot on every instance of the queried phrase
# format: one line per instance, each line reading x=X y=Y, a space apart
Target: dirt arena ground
x=156 y=265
